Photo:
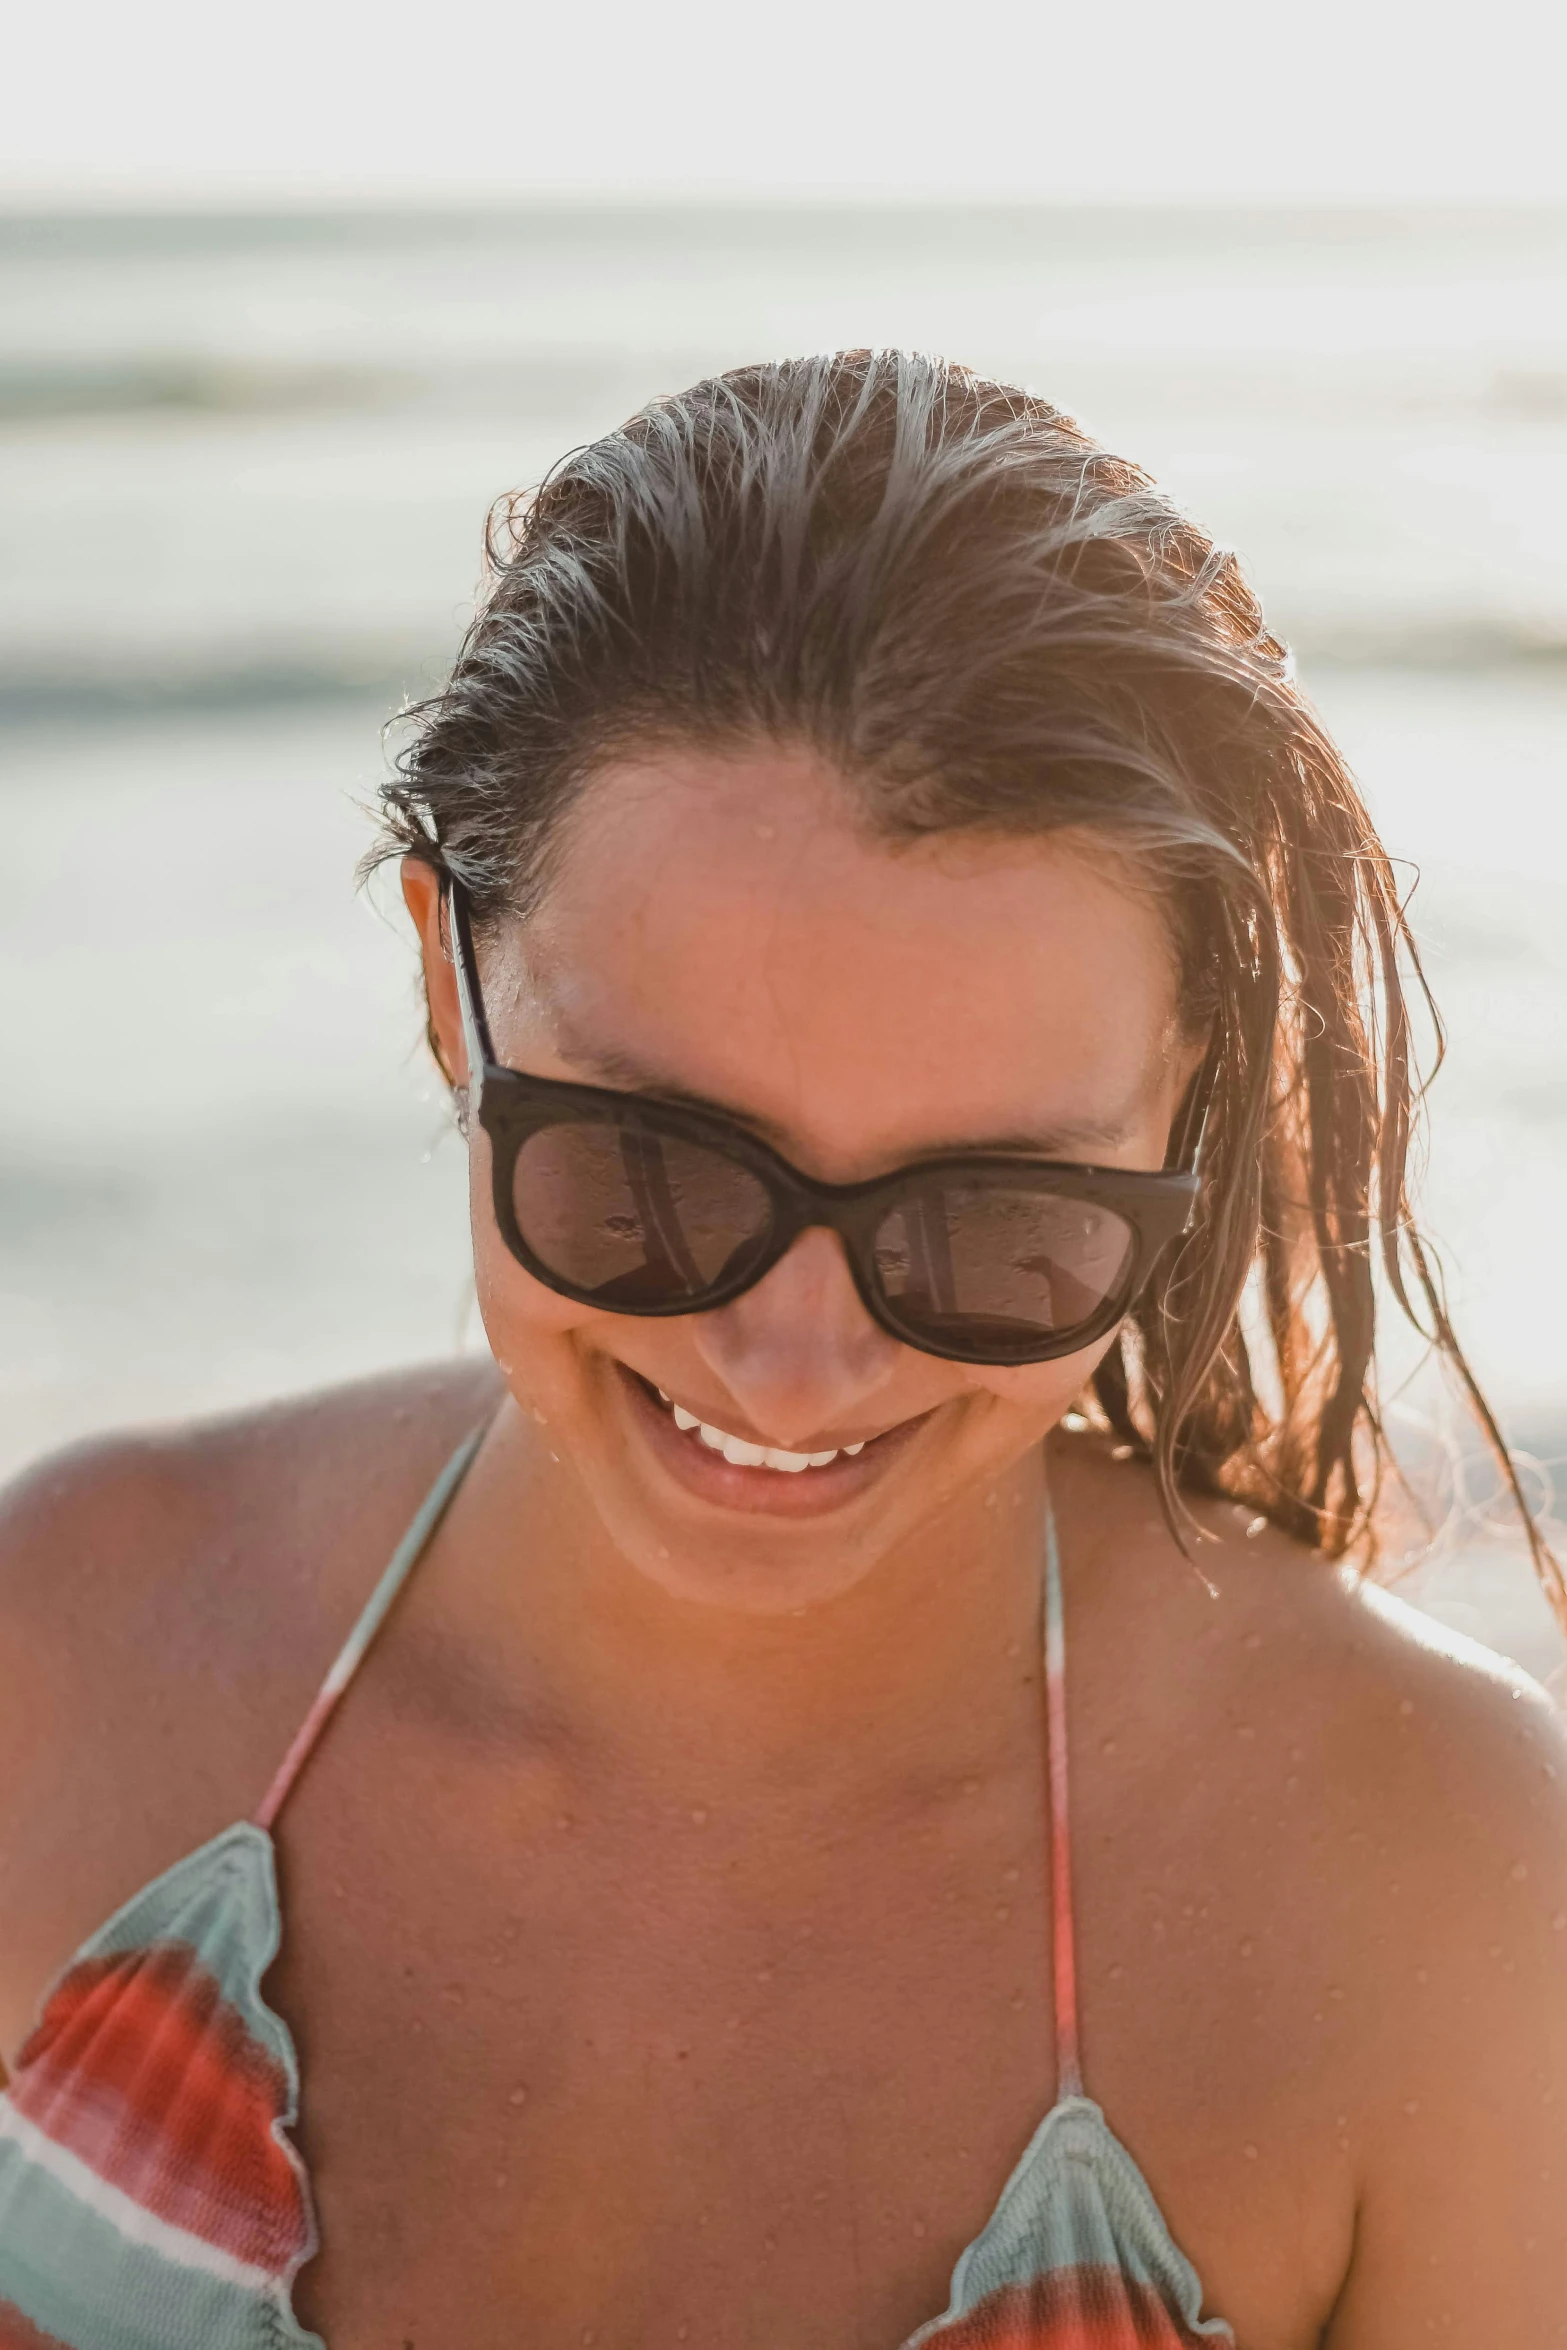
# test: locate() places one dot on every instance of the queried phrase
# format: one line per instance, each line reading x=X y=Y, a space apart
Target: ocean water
x=243 y=469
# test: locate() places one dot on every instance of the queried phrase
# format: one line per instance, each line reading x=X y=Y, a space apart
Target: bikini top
x=151 y=2197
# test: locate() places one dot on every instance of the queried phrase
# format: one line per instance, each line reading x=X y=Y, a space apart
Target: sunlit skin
x=667 y=1937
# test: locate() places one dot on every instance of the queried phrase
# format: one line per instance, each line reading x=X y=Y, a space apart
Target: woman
x=877 y=1812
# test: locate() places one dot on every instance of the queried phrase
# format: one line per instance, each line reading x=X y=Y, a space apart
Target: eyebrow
x=1068 y=1139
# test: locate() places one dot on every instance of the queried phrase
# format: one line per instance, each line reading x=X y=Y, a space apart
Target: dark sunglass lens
x=636 y=1219
x=991 y=1270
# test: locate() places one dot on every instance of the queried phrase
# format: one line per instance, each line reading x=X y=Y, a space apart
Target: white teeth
x=742 y=1455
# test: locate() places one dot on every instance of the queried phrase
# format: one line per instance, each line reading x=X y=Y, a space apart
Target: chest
x=582 y=2071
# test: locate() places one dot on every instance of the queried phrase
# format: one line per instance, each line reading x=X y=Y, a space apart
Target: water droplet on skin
x=1117 y=1972
x=1121 y=1452
x=1518 y=1872
x=1252 y=1640
x=1009 y=1876
x=1406 y=1706
x=919 y=2227
x=1002 y=1913
x=971 y=1786
x=1411 y=2106
x=1247 y=1948
x=1250 y=2153
x=1245 y=1732
x=500 y=2178
x=1017 y=1999
x=519 y=2096
x=698 y=1816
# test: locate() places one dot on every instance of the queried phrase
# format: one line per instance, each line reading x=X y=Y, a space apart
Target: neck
x=921 y=1671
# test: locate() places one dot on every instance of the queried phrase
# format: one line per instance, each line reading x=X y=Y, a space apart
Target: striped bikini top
x=151 y=2197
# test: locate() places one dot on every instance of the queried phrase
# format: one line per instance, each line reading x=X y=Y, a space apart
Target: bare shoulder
x=1424 y=1747
x=169 y=1599
x=1444 y=1824
x=1435 y=1745
x=1382 y=1708
x=1399 y=1791
x=1429 y=1780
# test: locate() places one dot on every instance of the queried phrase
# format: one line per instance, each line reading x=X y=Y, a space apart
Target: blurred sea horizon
x=244 y=464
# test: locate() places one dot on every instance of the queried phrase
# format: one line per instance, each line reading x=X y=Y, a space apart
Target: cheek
x=1037 y=1394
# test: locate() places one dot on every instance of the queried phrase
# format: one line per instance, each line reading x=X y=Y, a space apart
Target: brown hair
x=987 y=621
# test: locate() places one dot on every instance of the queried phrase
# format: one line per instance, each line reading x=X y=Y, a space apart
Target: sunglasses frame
x=511 y=1106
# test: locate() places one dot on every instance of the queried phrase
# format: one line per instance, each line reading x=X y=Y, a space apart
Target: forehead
x=720 y=921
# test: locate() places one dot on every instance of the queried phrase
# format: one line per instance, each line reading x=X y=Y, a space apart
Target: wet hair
x=988 y=623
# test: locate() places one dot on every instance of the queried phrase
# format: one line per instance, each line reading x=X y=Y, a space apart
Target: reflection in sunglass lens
x=992 y=1265
x=635 y=1218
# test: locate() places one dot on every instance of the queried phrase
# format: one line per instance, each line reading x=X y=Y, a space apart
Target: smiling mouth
x=740 y=1453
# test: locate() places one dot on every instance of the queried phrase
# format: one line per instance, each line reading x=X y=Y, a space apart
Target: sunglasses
x=640 y=1206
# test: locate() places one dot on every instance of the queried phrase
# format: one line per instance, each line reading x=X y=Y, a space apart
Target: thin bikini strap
x=374 y=1614
x=1069 y=2071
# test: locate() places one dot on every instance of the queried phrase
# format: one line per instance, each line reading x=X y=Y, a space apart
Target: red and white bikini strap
x=376 y=1610
x=1069 y=2071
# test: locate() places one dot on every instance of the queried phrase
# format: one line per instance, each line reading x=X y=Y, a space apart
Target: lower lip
x=778 y=1493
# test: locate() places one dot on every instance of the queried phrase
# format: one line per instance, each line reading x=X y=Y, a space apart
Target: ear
x=425 y=900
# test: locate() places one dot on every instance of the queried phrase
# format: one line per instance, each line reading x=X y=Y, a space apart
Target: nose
x=799 y=1353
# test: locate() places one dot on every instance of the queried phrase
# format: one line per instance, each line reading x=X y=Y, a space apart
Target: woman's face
x=718 y=929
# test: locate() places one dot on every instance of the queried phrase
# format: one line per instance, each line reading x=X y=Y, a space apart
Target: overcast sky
x=194 y=100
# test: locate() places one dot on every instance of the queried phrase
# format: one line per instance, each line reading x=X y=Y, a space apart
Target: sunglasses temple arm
x=475 y=1027
x=1191 y=1124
